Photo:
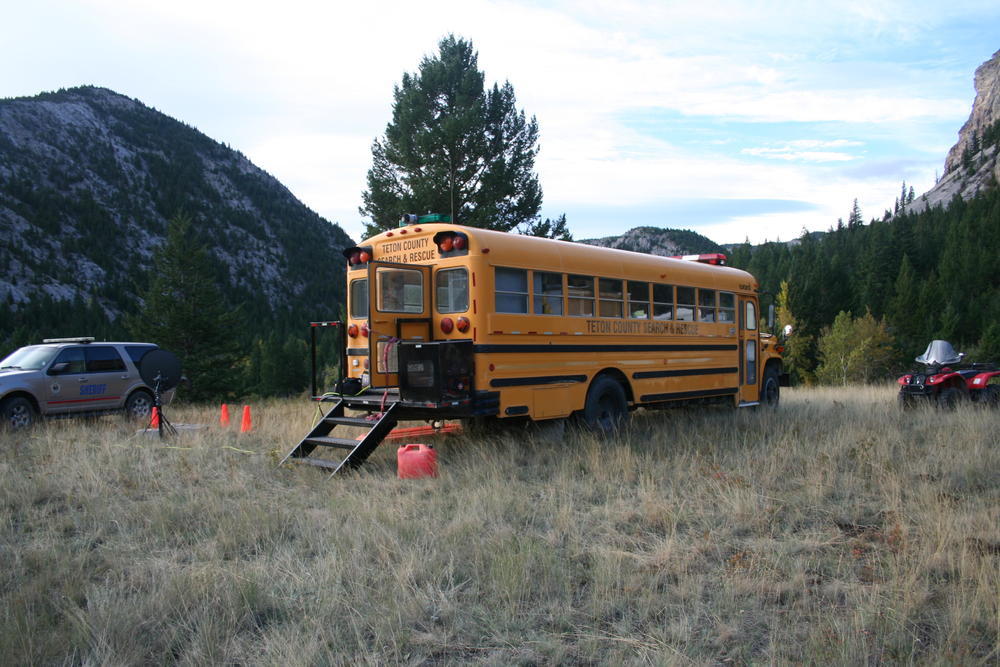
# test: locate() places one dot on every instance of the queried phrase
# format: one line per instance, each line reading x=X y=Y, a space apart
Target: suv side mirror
x=59 y=368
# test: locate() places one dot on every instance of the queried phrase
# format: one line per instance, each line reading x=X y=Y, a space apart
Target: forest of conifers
x=904 y=280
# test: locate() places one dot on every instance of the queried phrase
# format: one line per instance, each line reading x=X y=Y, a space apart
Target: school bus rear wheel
x=606 y=408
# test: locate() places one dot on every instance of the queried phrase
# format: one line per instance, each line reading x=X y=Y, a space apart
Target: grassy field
x=834 y=530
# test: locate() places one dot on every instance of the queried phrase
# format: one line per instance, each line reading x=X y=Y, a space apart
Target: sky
x=750 y=120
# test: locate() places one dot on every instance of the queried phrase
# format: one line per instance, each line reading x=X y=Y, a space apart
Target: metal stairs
x=357 y=450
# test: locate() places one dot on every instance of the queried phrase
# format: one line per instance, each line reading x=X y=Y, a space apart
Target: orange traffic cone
x=247 y=423
x=154 y=419
x=224 y=417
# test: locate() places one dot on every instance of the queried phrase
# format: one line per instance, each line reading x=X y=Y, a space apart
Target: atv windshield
x=939 y=352
x=31 y=358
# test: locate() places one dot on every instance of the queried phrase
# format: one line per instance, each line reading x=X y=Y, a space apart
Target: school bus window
x=638 y=300
x=511 y=290
x=751 y=352
x=727 y=307
x=400 y=290
x=548 y=293
x=685 y=304
x=663 y=302
x=581 y=295
x=452 y=287
x=706 y=305
x=612 y=299
x=751 y=319
x=359 y=298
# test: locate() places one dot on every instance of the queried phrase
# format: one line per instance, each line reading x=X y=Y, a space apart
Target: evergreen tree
x=183 y=312
x=855 y=219
x=548 y=228
x=454 y=147
x=904 y=308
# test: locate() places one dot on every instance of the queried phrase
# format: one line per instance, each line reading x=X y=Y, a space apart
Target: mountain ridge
x=658 y=241
x=972 y=164
x=90 y=178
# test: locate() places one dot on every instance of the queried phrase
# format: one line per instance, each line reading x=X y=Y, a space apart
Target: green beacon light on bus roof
x=411 y=219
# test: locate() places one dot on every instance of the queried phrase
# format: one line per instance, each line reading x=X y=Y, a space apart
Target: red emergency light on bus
x=716 y=258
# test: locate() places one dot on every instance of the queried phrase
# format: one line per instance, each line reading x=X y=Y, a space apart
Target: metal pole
x=312 y=331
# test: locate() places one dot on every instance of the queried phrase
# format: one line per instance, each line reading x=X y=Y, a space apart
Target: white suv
x=74 y=376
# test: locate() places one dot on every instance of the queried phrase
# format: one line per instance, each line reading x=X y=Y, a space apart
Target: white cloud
x=806 y=150
x=304 y=87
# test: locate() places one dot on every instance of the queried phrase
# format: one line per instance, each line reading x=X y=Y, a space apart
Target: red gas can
x=416 y=460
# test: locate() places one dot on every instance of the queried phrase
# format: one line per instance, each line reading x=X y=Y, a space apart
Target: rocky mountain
x=88 y=181
x=658 y=241
x=972 y=164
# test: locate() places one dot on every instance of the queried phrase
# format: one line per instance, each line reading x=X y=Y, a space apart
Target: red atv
x=945 y=381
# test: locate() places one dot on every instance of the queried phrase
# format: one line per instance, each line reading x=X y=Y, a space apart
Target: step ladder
x=357 y=450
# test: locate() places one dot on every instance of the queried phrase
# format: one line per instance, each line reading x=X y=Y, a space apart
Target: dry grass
x=836 y=530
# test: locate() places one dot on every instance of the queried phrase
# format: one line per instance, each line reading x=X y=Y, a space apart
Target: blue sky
x=739 y=120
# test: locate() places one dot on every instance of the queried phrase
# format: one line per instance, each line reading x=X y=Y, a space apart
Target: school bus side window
x=548 y=293
x=727 y=307
x=612 y=299
x=359 y=298
x=685 y=304
x=706 y=305
x=511 y=287
x=663 y=302
x=581 y=295
x=452 y=286
x=638 y=300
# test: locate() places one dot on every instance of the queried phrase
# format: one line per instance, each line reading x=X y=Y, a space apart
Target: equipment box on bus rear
x=438 y=372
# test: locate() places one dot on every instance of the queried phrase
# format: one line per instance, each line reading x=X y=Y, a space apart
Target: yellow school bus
x=457 y=322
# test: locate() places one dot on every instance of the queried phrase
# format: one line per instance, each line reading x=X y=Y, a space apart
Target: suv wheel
x=138 y=405
x=17 y=413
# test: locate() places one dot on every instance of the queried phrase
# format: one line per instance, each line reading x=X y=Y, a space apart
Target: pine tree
x=904 y=308
x=183 y=312
x=454 y=147
x=855 y=219
x=548 y=228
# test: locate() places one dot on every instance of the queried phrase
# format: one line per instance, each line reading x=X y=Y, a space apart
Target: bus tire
x=606 y=408
x=770 y=388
